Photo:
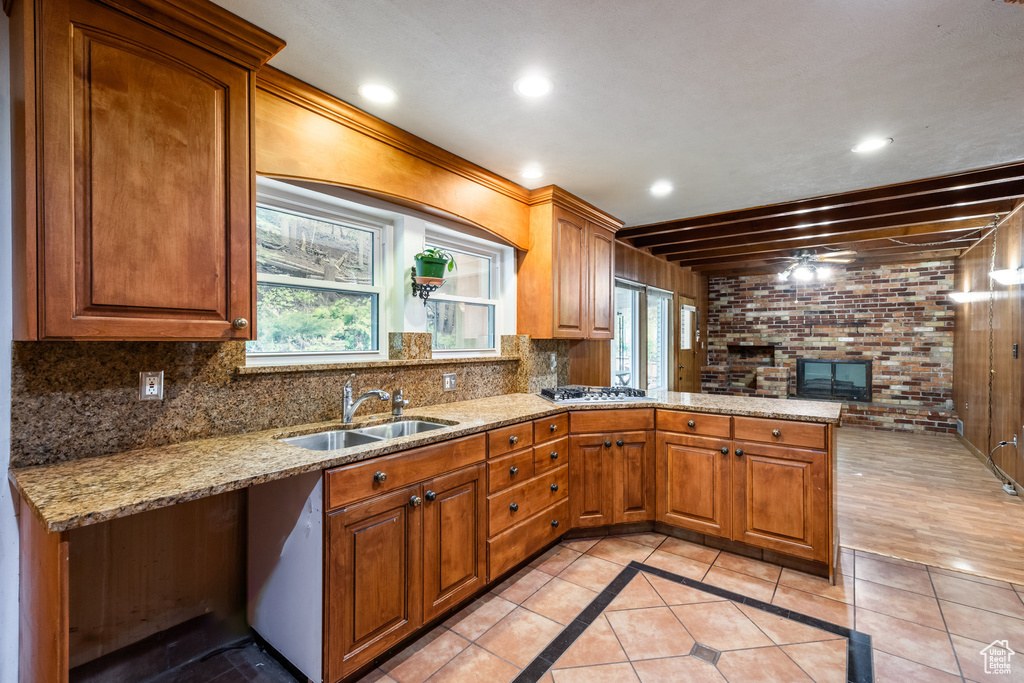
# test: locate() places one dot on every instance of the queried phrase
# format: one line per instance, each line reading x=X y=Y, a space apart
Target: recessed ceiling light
x=661 y=188
x=533 y=86
x=375 y=92
x=871 y=144
x=532 y=172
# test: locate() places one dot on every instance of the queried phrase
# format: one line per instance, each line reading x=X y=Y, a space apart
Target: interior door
x=687 y=372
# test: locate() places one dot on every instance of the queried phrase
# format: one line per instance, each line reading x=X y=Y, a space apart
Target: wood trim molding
x=294 y=91
x=7 y=7
x=570 y=202
x=207 y=24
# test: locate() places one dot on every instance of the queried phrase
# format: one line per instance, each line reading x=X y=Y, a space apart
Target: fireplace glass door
x=845 y=380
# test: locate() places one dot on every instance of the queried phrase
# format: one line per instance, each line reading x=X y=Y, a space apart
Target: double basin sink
x=345 y=438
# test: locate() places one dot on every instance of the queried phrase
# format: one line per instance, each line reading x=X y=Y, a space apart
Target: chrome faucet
x=398 y=403
x=350 y=406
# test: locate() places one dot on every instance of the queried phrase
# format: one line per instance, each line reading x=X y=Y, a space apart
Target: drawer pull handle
x=725 y=450
x=607 y=444
x=554 y=455
x=691 y=424
x=430 y=496
x=619 y=442
x=513 y=471
x=739 y=452
x=776 y=433
x=554 y=487
x=380 y=477
x=554 y=522
x=553 y=428
x=514 y=507
x=415 y=501
x=513 y=440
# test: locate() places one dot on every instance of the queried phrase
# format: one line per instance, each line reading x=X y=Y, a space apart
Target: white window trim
x=279 y=196
x=502 y=284
x=668 y=349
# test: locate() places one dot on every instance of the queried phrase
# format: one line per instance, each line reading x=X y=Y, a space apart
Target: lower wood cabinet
x=612 y=478
x=694 y=489
x=398 y=560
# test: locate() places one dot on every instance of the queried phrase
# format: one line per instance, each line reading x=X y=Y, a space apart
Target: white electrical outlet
x=151 y=386
x=448 y=381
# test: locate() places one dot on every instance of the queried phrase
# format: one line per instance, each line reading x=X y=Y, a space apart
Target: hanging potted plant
x=432 y=262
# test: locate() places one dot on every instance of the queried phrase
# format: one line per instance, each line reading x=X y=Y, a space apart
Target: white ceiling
x=738 y=103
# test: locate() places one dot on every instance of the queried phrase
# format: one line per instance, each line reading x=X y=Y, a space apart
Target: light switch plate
x=151 y=386
x=448 y=381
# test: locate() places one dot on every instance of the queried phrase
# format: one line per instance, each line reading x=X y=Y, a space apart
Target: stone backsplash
x=80 y=399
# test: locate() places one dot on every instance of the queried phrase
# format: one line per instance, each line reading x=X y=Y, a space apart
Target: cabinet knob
x=514 y=507
x=554 y=487
x=554 y=522
x=513 y=440
x=380 y=477
x=430 y=496
x=513 y=471
x=619 y=442
x=607 y=444
x=776 y=433
x=691 y=424
x=240 y=323
x=725 y=450
x=553 y=428
x=554 y=455
x=415 y=501
x=739 y=452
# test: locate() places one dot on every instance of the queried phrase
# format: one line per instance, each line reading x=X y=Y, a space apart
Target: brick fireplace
x=898 y=317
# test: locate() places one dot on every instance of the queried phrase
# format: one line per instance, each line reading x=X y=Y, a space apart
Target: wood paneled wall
x=590 y=361
x=972 y=366
x=139 y=575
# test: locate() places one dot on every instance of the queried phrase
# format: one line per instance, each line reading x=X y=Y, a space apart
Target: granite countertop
x=77 y=493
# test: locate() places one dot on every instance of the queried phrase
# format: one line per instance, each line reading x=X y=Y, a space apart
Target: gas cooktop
x=584 y=394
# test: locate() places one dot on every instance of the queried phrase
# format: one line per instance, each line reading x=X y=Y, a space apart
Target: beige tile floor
x=926 y=623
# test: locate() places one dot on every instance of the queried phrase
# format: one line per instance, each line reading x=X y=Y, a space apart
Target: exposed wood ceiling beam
x=941 y=231
x=769 y=269
x=991 y=199
x=864 y=254
x=800 y=208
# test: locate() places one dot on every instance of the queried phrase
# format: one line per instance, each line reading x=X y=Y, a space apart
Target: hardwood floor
x=927 y=499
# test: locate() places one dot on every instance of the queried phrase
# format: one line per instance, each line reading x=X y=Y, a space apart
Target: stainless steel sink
x=393 y=430
x=329 y=441
x=345 y=438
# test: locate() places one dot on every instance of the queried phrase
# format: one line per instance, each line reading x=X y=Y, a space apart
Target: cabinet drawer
x=703 y=424
x=508 y=439
x=516 y=544
x=551 y=455
x=500 y=474
x=804 y=434
x=550 y=427
x=603 y=421
x=523 y=500
x=349 y=483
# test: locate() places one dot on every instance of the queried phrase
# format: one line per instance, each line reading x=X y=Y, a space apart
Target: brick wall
x=898 y=316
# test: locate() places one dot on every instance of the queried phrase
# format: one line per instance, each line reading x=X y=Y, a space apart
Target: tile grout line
x=949 y=636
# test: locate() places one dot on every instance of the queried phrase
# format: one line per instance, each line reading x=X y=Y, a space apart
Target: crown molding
x=556 y=195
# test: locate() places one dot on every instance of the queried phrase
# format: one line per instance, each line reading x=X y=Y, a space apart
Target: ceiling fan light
x=824 y=273
x=804 y=273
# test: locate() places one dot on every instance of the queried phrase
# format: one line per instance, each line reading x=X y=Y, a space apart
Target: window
x=626 y=345
x=463 y=313
x=318 y=280
x=659 y=345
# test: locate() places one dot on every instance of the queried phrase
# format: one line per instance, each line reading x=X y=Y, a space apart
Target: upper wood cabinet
x=135 y=150
x=566 y=280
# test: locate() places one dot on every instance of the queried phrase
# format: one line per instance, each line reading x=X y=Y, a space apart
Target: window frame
x=275 y=196
x=668 y=350
x=502 y=258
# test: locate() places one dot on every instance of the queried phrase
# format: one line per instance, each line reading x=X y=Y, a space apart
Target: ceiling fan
x=805 y=264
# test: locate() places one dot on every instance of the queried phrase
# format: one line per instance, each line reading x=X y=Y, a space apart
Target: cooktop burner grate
x=585 y=394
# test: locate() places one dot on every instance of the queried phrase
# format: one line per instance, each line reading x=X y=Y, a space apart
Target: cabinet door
x=569 y=275
x=780 y=499
x=590 y=480
x=634 y=478
x=373 y=579
x=694 y=487
x=146 y=180
x=601 y=258
x=454 y=559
